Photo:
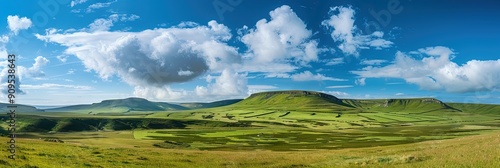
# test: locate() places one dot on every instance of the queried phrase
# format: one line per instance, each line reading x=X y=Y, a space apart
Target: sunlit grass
x=472 y=151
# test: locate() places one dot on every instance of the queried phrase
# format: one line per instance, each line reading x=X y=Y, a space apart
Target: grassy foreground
x=117 y=149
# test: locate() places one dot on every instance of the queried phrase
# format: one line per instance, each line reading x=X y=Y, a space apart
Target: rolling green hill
x=401 y=105
x=211 y=104
x=20 y=108
x=120 y=106
x=309 y=109
x=313 y=101
x=477 y=108
x=292 y=100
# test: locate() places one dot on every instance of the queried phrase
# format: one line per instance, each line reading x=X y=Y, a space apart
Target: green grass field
x=120 y=149
x=265 y=130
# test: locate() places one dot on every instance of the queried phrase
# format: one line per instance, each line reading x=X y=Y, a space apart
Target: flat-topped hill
x=291 y=99
x=120 y=105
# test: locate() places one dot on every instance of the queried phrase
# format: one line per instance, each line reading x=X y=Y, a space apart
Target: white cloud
x=3 y=51
x=92 y=7
x=160 y=93
x=129 y=18
x=228 y=84
x=436 y=71
x=339 y=86
x=308 y=76
x=399 y=94
x=151 y=60
x=76 y=11
x=337 y=94
x=185 y=24
x=335 y=61
x=76 y=2
x=15 y=23
x=185 y=73
x=360 y=81
x=277 y=75
x=62 y=58
x=4 y=39
x=101 y=25
x=35 y=71
x=350 y=37
x=104 y=24
x=373 y=62
x=55 y=86
x=270 y=68
x=71 y=71
x=262 y=87
x=284 y=41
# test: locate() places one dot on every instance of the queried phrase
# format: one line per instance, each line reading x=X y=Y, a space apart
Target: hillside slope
x=120 y=105
x=292 y=100
x=316 y=101
x=20 y=108
x=211 y=104
x=401 y=105
x=477 y=108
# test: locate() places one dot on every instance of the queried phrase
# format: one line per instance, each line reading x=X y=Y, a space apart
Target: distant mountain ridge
x=137 y=104
x=197 y=105
x=20 y=108
x=120 y=105
x=274 y=100
x=279 y=97
x=309 y=100
x=409 y=104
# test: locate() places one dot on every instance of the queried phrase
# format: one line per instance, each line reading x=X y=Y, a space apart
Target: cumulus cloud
x=277 y=75
x=104 y=24
x=262 y=87
x=16 y=23
x=54 y=86
x=99 y=5
x=228 y=84
x=308 y=76
x=3 y=51
x=360 y=81
x=35 y=71
x=283 y=41
x=151 y=60
x=4 y=39
x=335 y=61
x=160 y=93
x=62 y=58
x=339 y=86
x=76 y=2
x=350 y=37
x=3 y=80
x=436 y=71
x=337 y=94
x=373 y=62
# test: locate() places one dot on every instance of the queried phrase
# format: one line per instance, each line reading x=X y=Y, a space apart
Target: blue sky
x=85 y=51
